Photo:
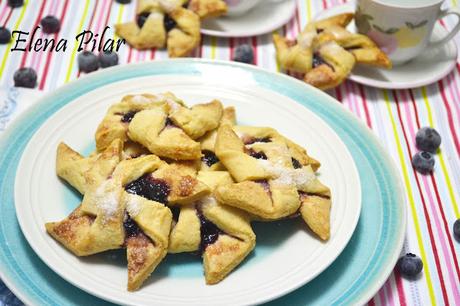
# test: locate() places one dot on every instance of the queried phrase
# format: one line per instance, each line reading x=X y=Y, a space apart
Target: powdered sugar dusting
x=140 y=99
x=287 y=176
x=133 y=206
x=208 y=200
x=107 y=200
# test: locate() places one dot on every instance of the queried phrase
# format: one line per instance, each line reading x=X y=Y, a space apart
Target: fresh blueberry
x=123 y=1
x=410 y=265
x=25 y=77
x=457 y=229
x=5 y=35
x=428 y=139
x=244 y=54
x=142 y=18
x=107 y=59
x=50 y=24
x=423 y=162
x=15 y=3
x=169 y=23
x=87 y=62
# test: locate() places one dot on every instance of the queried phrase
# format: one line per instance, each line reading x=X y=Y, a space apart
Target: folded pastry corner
x=147 y=228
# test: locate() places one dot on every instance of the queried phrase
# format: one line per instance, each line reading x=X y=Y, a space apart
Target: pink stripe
x=389 y=291
x=3 y=12
x=455 y=93
x=429 y=191
x=382 y=296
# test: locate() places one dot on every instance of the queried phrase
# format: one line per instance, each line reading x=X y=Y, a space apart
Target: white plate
x=427 y=68
x=280 y=263
x=264 y=18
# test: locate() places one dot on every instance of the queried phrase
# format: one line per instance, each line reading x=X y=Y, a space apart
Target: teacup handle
x=452 y=33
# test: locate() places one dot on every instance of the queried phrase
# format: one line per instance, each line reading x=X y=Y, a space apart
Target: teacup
x=402 y=28
x=240 y=7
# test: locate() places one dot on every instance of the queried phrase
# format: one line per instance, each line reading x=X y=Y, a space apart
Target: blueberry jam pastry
x=209 y=160
x=171 y=132
x=116 y=121
x=110 y=218
x=222 y=234
x=163 y=24
x=325 y=52
x=169 y=178
x=270 y=182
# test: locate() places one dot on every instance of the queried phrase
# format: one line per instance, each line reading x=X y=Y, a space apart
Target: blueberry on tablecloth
x=428 y=139
x=5 y=35
x=456 y=229
x=15 y=3
x=25 y=77
x=107 y=59
x=50 y=24
x=244 y=54
x=410 y=265
x=87 y=62
x=423 y=162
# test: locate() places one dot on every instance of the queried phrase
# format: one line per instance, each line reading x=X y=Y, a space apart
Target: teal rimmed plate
x=354 y=277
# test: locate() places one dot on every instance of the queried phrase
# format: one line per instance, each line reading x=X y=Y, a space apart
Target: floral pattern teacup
x=402 y=28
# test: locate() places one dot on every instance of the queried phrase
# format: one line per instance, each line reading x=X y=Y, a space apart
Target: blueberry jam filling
x=209 y=232
x=128 y=117
x=257 y=155
x=169 y=23
x=296 y=164
x=209 y=158
x=254 y=140
x=169 y=123
x=317 y=60
x=175 y=213
x=150 y=188
x=131 y=228
x=142 y=18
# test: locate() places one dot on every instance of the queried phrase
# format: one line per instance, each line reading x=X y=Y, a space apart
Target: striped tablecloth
x=394 y=116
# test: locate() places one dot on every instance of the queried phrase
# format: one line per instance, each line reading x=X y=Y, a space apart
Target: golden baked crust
x=333 y=66
x=223 y=234
x=81 y=172
x=270 y=181
x=180 y=40
x=147 y=246
x=118 y=117
x=362 y=47
x=209 y=160
x=170 y=132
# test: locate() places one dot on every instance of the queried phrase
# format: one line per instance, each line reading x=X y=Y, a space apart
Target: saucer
x=427 y=68
x=264 y=18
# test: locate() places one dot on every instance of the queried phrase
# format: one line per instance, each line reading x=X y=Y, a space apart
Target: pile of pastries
x=325 y=52
x=169 y=178
x=174 y=24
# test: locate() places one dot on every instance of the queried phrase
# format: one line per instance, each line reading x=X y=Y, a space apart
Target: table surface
x=394 y=116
